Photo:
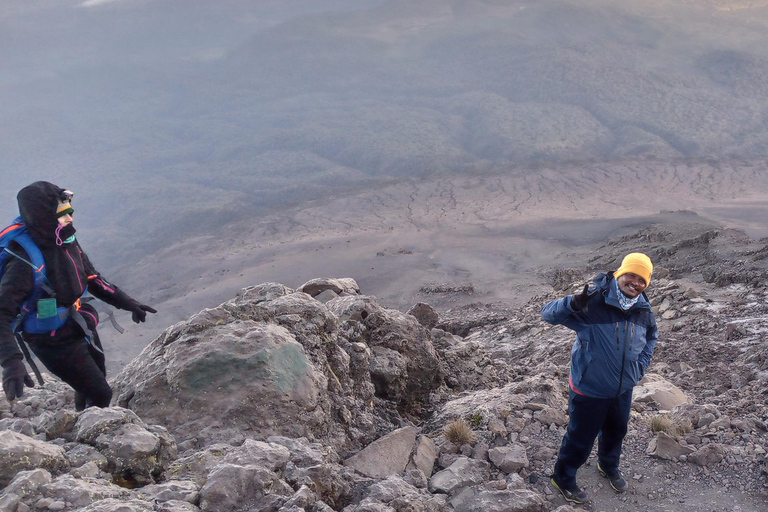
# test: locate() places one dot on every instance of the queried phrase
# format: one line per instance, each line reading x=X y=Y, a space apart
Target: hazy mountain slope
x=491 y=237
x=174 y=117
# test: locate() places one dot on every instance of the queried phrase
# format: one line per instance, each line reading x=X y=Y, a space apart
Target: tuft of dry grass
x=673 y=427
x=459 y=432
x=661 y=423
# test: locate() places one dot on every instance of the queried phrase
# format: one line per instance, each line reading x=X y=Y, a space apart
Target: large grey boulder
x=20 y=453
x=271 y=362
x=245 y=376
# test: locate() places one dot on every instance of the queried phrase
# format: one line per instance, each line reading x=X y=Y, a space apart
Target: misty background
x=178 y=120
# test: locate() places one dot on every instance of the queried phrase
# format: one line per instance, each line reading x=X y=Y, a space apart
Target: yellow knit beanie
x=64 y=208
x=637 y=263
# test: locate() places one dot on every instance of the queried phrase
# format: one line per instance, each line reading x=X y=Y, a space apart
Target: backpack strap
x=28 y=357
x=40 y=281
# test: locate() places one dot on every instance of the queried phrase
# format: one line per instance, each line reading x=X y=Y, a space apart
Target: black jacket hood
x=37 y=206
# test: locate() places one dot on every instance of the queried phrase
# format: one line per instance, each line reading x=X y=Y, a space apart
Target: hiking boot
x=617 y=479
x=572 y=494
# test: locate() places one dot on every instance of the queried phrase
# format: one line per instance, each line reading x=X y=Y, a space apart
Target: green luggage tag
x=46 y=308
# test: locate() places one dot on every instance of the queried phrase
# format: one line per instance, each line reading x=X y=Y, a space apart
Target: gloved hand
x=579 y=301
x=15 y=376
x=139 y=311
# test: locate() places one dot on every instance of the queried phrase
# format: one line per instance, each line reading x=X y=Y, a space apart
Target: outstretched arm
x=114 y=296
x=102 y=289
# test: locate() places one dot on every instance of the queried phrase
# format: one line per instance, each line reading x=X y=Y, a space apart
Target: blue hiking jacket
x=613 y=348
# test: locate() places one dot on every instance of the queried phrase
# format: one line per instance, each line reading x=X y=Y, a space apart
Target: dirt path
x=662 y=486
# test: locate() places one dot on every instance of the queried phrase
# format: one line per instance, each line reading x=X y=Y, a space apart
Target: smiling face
x=631 y=284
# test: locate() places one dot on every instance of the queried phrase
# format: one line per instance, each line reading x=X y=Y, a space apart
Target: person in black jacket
x=73 y=350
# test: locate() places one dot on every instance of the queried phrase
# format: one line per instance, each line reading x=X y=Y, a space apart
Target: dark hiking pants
x=603 y=418
x=80 y=365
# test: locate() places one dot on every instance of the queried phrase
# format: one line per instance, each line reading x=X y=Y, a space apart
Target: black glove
x=139 y=311
x=579 y=301
x=15 y=376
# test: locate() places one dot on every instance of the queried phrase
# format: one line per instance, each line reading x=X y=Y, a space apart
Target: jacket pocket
x=580 y=360
x=637 y=340
x=634 y=372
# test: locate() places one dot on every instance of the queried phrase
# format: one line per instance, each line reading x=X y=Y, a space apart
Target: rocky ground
x=724 y=376
x=711 y=306
x=351 y=411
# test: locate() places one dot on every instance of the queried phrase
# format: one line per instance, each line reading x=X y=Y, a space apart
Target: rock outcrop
x=285 y=401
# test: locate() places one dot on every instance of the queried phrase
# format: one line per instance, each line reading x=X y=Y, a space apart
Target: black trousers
x=604 y=419
x=78 y=363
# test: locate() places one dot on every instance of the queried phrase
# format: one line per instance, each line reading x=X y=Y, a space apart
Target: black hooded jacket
x=68 y=269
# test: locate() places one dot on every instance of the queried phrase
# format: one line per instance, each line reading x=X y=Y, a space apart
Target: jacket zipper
x=627 y=332
x=77 y=273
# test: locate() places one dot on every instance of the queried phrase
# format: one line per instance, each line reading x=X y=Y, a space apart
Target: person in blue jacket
x=616 y=334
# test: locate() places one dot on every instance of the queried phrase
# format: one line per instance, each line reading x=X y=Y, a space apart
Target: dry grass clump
x=459 y=432
x=673 y=427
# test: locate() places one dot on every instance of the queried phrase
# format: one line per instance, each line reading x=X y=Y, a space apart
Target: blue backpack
x=28 y=320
